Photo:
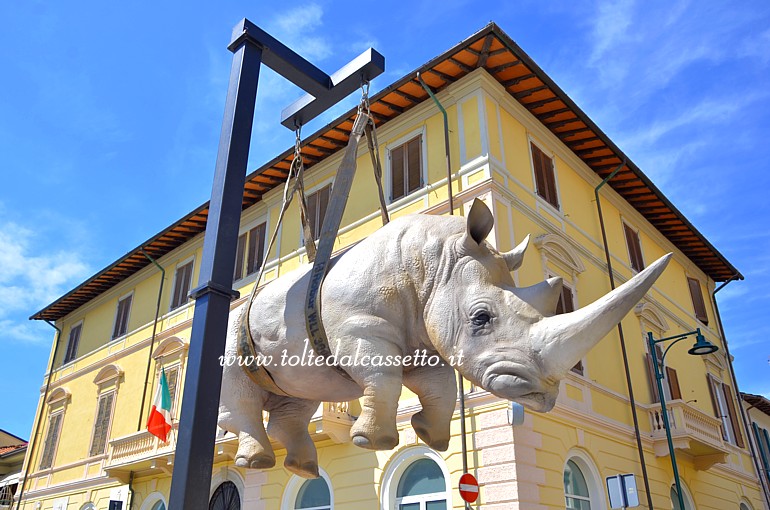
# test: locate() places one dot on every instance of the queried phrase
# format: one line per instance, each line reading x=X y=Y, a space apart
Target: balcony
x=692 y=431
x=145 y=454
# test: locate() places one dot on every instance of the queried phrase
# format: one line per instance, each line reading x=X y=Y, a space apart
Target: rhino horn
x=515 y=257
x=543 y=297
x=565 y=339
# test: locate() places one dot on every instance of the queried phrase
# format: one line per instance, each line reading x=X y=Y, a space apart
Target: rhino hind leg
x=375 y=428
x=436 y=389
x=288 y=423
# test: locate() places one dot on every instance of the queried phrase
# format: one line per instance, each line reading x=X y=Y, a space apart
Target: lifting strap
x=321 y=256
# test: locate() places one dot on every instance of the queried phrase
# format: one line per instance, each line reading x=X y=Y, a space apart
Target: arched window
x=744 y=506
x=576 y=488
x=160 y=505
x=422 y=487
x=226 y=497
x=155 y=501
x=313 y=495
x=688 y=504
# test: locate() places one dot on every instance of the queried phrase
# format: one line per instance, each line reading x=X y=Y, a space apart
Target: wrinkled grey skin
x=420 y=282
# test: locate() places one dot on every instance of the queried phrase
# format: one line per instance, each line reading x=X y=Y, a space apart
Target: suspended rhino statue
x=419 y=283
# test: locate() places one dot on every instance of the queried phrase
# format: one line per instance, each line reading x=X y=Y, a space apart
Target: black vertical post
x=197 y=425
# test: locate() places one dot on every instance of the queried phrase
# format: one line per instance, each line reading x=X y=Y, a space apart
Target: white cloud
x=29 y=281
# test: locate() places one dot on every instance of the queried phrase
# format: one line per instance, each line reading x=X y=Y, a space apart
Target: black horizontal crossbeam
x=323 y=91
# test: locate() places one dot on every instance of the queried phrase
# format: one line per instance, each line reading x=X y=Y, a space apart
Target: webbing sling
x=337 y=201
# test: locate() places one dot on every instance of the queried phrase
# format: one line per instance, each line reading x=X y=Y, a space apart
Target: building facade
x=517 y=142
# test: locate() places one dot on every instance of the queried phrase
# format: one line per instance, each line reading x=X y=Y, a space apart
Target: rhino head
x=512 y=343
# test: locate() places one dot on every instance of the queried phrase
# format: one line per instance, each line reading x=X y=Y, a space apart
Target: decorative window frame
x=128 y=319
x=290 y=493
x=107 y=381
x=421 y=132
x=225 y=474
x=179 y=264
x=152 y=499
x=57 y=403
x=591 y=474
x=171 y=352
x=551 y=154
x=398 y=465
x=651 y=319
x=689 y=502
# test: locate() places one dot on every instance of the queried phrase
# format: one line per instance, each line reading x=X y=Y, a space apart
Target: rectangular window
x=724 y=409
x=316 y=209
x=182 y=283
x=406 y=168
x=567 y=304
x=102 y=424
x=51 y=440
x=121 y=316
x=251 y=252
x=72 y=343
x=760 y=435
x=634 y=248
x=670 y=378
x=545 y=177
x=697 y=300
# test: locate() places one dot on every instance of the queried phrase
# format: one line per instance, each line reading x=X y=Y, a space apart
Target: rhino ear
x=480 y=221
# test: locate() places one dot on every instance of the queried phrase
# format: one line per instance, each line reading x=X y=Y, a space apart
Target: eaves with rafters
x=493 y=50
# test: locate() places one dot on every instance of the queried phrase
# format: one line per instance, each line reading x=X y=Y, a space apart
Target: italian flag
x=159 y=422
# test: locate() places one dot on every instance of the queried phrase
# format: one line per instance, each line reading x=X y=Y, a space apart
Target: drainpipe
x=631 y=398
x=446 y=140
x=130 y=490
x=152 y=342
x=749 y=436
x=32 y=441
x=460 y=385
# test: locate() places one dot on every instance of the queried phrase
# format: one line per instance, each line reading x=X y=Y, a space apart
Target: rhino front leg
x=288 y=423
x=240 y=412
x=376 y=429
x=437 y=390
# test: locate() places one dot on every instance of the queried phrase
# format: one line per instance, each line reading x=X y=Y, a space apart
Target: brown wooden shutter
x=240 y=254
x=697 y=300
x=733 y=416
x=102 y=424
x=72 y=343
x=397 y=173
x=414 y=170
x=711 y=382
x=312 y=213
x=673 y=383
x=634 y=248
x=121 y=317
x=51 y=439
x=256 y=248
x=651 y=378
x=323 y=202
x=550 y=179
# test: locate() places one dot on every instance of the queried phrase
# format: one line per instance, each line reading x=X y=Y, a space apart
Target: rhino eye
x=481 y=319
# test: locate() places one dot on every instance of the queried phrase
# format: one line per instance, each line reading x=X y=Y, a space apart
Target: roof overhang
x=493 y=50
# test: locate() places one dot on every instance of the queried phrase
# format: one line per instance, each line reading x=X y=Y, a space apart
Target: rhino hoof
x=257 y=462
x=423 y=432
x=382 y=443
x=305 y=470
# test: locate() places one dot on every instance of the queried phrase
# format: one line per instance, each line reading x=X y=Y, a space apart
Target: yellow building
x=521 y=145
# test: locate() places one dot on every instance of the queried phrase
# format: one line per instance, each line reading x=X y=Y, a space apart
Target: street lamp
x=701 y=347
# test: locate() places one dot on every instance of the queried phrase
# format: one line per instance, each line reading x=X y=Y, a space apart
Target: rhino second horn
x=515 y=257
x=565 y=339
x=543 y=297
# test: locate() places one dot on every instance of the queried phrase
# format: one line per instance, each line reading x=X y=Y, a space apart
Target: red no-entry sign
x=469 y=488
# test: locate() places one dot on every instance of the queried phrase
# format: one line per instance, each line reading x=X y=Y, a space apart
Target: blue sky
x=110 y=116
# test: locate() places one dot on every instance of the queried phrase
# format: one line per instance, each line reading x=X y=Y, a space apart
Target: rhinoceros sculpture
x=419 y=283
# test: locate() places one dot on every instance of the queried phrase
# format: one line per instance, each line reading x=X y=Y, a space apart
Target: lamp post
x=701 y=347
